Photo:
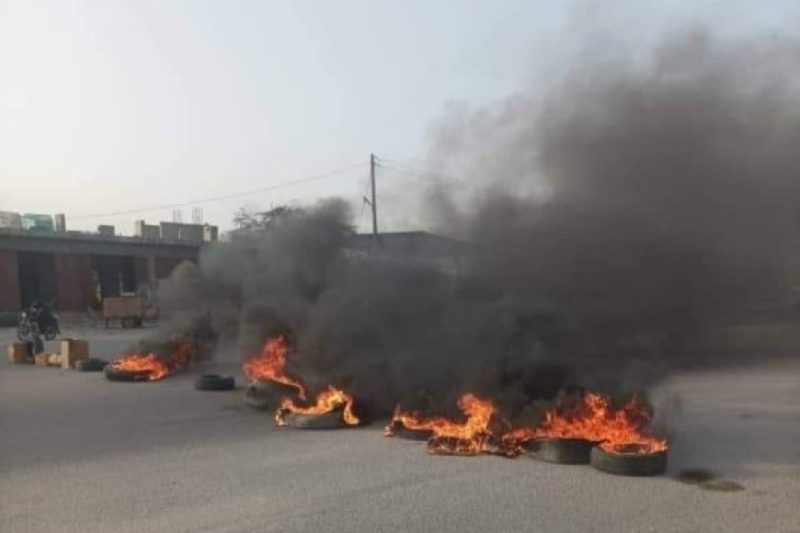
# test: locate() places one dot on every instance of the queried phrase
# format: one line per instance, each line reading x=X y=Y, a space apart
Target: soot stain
x=722 y=485
x=695 y=476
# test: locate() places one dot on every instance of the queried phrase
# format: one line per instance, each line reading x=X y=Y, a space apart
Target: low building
x=77 y=270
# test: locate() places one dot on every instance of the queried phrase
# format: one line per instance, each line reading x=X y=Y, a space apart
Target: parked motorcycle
x=38 y=320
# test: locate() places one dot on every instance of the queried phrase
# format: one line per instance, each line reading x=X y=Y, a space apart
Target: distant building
x=149 y=232
x=76 y=270
x=10 y=220
x=35 y=222
x=61 y=222
x=106 y=230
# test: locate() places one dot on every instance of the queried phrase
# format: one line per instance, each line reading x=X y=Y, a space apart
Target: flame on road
x=327 y=401
x=270 y=365
x=156 y=367
x=595 y=418
x=470 y=436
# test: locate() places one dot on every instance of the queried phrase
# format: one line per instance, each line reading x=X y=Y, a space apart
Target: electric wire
x=315 y=177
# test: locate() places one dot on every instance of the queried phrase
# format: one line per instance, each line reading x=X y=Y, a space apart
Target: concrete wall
x=9 y=281
x=192 y=233
x=165 y=266
x=170 y=231
x=210 y=233
x=179 y=232
x=141 y=271
x=149 y=232
x=74 y=290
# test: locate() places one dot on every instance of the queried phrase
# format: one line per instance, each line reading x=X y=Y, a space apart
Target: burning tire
x=402 y=432
x=629 y=464
x=255 y=398
x=114 y=374
x=265 y=396
x=214 y=382
x=332 y=420
x=90 y=365
x=562 y=451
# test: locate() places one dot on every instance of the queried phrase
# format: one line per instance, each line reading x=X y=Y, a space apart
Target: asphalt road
x=79 y=453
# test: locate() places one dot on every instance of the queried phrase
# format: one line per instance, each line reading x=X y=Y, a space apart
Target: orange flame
x=470 y=437
x=594 y=418
x=327 y=401
x=271 y=364
x=156 y=367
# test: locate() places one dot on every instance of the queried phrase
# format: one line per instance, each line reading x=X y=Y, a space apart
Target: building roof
x=69 y=242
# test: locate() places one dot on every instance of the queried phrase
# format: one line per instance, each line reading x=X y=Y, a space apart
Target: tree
x=248 y=220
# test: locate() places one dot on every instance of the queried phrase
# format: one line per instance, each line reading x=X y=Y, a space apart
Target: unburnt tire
x=113 y=374
x=90 y=365
x=629 y=464
x=332 y=420
x=214 y=382
x=562 y=451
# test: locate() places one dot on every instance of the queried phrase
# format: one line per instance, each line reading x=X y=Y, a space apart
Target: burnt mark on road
x=707 y=480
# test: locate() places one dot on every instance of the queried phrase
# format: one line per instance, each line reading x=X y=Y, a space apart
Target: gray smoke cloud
x=615 y=217
x=654 y=199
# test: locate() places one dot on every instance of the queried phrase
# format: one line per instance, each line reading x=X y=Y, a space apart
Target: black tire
x=629 y=464
x=90 y=365
x=50 y=333
x=214 y=382
x=402 y=432
x=562 y=451
x=257 y=399
x=267 y=396
x=113 y=374
x=332 y=420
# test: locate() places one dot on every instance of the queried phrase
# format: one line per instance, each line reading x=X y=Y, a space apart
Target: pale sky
x=110 y=106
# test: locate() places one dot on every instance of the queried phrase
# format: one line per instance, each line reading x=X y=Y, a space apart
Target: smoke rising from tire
x=613 y=219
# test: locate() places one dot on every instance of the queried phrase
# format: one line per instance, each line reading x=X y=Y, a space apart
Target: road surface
x=79 y=453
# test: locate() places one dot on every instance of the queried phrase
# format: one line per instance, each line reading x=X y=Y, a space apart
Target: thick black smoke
x=620 y=216
x=656 y=200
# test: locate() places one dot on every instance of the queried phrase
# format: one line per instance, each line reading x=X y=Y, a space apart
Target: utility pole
x=373 y=203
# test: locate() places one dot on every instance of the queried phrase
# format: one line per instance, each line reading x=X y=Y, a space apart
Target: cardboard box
x=41 y=359
x=54 y=359
x=17 y=353
x=72 y=350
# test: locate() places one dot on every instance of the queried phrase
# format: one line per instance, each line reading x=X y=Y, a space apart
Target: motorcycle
x=38 y=320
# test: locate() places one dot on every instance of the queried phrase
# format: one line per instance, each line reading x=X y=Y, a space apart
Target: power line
x=308 y=179
x=417 y=176
x=421 y=174
x=414 y=164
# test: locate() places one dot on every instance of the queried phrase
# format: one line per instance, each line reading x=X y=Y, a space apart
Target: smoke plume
x=654 y=199
x=613 y=219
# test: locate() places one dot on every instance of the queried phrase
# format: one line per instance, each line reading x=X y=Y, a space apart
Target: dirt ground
x=79 y=453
